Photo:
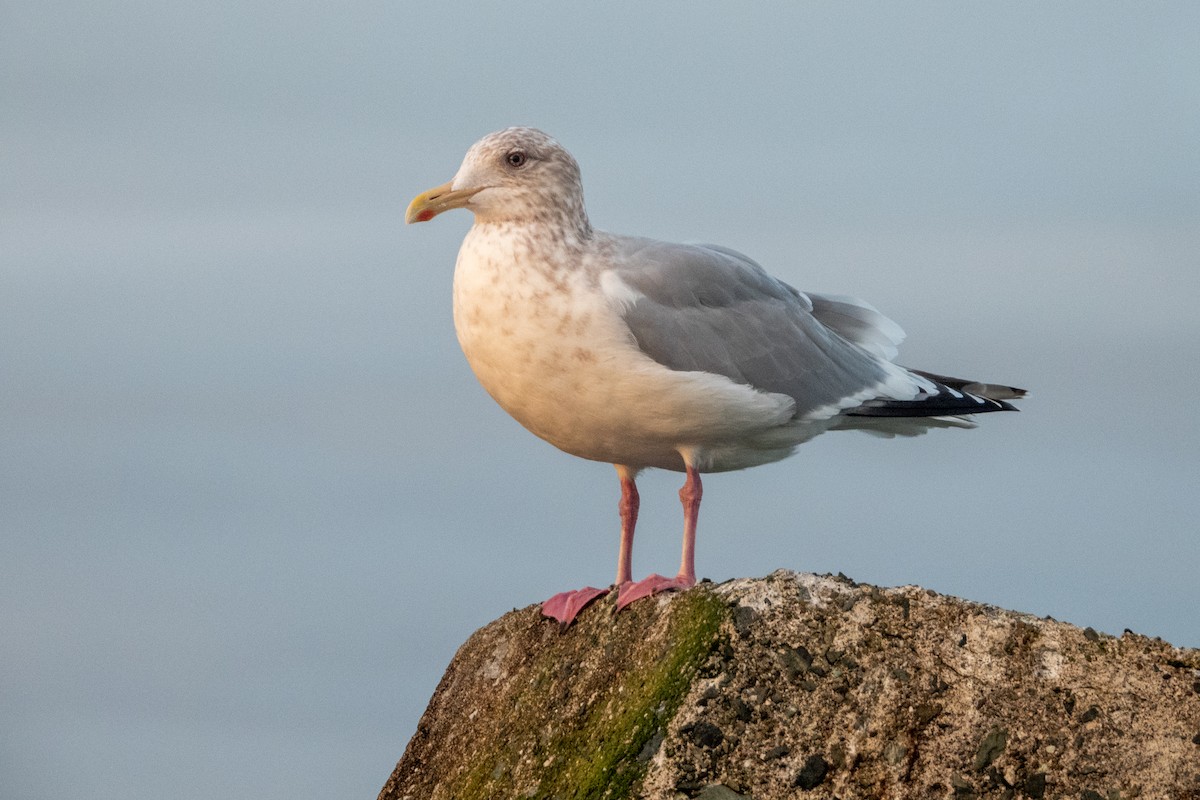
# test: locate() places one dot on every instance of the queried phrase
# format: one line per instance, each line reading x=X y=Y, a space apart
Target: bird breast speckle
x=548 y=347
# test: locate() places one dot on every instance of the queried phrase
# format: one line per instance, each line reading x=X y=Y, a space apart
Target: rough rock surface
x=801 y=686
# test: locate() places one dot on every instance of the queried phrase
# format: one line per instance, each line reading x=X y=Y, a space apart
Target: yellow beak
x=428 y=205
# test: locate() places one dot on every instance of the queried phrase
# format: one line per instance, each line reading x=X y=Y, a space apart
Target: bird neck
x=552 y=230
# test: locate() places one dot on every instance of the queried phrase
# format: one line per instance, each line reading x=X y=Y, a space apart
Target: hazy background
x=251 y=497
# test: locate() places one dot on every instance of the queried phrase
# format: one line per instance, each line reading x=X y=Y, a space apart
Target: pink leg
x=565 y=606
x=690 y=496
x=629 y=511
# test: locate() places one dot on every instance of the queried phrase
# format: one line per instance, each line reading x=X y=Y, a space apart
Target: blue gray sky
x=252 y=499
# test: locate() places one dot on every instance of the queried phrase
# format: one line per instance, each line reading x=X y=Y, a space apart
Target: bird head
x=513 y=175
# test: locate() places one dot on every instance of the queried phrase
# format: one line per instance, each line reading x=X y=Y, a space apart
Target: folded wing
x=706 y=308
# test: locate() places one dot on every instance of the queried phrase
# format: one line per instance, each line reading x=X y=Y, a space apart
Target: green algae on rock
x=527 y=711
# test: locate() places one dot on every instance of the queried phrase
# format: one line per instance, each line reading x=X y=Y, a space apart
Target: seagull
x=649 y=354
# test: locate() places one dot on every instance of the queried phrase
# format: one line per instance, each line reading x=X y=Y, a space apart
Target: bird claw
x=650 y=585
x=565 y=606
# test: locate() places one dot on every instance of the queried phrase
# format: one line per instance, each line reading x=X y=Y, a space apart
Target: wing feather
x=704 y=308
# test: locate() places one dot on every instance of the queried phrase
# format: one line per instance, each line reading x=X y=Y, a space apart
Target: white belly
x=553 y=353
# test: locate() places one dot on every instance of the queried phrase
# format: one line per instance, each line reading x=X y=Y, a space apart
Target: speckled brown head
x=518 y=175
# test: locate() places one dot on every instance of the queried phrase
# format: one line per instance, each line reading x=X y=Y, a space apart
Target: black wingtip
x=953 y=397
x=990 y=391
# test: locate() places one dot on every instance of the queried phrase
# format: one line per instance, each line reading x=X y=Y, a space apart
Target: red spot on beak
x=425 y=216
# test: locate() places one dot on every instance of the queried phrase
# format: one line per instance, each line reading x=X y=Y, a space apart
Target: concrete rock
x=803 y=686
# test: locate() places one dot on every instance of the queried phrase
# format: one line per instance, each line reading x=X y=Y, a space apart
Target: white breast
x=548 y=346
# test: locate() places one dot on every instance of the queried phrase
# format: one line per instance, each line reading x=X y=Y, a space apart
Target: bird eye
x=516 y=158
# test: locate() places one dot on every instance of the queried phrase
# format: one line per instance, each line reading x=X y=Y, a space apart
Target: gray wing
x=715 y=310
